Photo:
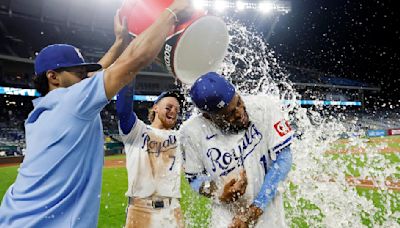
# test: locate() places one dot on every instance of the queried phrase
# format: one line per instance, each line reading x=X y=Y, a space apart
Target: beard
x=234 y=129
x=167 y=123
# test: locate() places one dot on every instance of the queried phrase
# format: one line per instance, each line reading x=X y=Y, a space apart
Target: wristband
x=174 y=14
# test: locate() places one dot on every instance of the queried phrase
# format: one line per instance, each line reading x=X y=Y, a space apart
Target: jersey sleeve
x=276 y=173
x=124 y=103
x=190 y=149
x=135 y=136
x=87 y=98
x=279 y=132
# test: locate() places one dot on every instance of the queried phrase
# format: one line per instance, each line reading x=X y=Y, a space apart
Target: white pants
x=273 y=216
x=146 y=217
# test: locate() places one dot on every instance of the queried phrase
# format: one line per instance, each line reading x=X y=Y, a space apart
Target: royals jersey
x=222 y=155
x=152 y=162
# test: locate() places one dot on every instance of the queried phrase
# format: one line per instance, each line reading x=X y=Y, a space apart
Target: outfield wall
x=11 y=160
x=394 y=132
x=381 y=132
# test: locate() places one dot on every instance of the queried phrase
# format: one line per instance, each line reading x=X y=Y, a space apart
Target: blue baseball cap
x=211 y=92
x=172 y=93
x=58 y=56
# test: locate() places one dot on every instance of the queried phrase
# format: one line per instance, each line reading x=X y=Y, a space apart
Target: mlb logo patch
x=282 y=127
x=221 y=104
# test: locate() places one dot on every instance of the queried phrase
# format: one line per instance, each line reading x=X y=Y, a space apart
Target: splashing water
x=318 y=190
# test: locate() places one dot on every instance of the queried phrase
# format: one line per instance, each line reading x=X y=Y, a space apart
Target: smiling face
x=233 y=117
x=166 y=112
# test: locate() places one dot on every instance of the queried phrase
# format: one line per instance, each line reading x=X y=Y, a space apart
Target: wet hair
x=152 y=115
x=41 y=83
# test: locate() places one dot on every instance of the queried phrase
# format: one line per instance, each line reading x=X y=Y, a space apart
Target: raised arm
x=142 y=50
x=122 y=39
x=126 y=116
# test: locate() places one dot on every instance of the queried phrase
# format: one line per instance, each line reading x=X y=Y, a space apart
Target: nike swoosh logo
x=208 y=137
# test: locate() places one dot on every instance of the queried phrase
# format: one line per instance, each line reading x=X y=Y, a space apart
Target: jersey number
x=173 y=162
x=263 y=160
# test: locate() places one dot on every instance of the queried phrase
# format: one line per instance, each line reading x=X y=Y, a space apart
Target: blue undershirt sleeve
x=197 y=180
x=127 y=118
x=276 y=173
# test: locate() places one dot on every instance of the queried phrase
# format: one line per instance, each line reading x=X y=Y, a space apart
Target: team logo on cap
x=78 y=52
x=282 y=127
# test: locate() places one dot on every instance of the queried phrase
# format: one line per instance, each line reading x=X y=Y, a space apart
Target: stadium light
x=240 y=5
x=266 y=7
x=220 y=5
x=282 y=6
x=200 y=4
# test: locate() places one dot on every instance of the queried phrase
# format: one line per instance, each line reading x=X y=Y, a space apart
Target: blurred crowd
x=14 y=110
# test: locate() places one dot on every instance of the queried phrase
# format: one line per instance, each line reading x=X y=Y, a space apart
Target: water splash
x=318 y=191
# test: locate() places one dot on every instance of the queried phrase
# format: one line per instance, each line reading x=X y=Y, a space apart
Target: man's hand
x=142 y=50
x=121 y=29
x=238 y=223
x=122 y=39
x=234 y=188
x=208 y=191
x=247 y=217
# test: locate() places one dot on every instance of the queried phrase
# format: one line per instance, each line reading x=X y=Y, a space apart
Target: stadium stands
x=15 y=109
x=25 y=28
x=310 y=76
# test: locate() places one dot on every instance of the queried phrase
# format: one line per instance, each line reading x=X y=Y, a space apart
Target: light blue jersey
x=59 y=182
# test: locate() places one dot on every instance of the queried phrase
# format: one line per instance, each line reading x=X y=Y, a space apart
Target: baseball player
x=153 y=164
x=59 y=182
x=237 y=154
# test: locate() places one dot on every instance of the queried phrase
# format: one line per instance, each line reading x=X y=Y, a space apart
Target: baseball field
x=384 y=198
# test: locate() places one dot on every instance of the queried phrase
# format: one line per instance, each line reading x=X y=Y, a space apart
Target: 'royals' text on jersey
x=223 y=155
x=153 y=163
x=227 y=161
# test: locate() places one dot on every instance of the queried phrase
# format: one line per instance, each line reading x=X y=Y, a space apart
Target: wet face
x=233 y=117
x=167 y=111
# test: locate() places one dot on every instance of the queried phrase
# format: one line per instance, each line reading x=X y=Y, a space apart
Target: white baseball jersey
x=223 y=155
x=153 y=163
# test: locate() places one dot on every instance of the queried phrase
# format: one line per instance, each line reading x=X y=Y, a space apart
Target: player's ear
x=53 y=78
x=155 y=108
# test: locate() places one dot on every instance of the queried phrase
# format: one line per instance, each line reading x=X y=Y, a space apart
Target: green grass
x=356 y=161
x=304 y=206
x=195 y=208
x=391 y=141
x=379 y=201
x=311 y=212
x=7 y=177
x=113 y=201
